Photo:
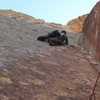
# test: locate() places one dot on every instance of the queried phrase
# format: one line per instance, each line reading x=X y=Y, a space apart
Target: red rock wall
x=91 y=32
x=76 y=25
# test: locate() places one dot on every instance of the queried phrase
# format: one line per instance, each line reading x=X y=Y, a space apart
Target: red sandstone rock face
x=76 y=25
x=91 y=32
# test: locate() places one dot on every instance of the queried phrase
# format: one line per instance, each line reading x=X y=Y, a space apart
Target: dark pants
x=55 y=41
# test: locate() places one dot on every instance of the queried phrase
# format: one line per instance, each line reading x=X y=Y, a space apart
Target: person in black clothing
x=55 y=38
x=61 y=40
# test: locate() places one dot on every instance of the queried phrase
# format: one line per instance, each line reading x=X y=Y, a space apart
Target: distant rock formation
x=21 y=16
x=76 y=25
x=91 y=32
x=24 y=17
x=55 y=25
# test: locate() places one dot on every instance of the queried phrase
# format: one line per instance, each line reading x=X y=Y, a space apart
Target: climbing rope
x=92 y=96
x=93 y=91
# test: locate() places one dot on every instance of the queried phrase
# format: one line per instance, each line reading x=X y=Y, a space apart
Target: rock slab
x=91 y=32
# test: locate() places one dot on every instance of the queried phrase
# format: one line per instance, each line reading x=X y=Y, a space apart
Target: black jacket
x=54 y=34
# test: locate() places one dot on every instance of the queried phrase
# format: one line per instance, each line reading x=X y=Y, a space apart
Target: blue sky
x=57 y=11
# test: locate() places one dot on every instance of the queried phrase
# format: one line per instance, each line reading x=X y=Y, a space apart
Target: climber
x=61 y=40
x=55 y=38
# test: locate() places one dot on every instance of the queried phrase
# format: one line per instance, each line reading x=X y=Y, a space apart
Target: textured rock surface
x=91 y=37
x=55 y=74
x=33 y=70
x=76 y=25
